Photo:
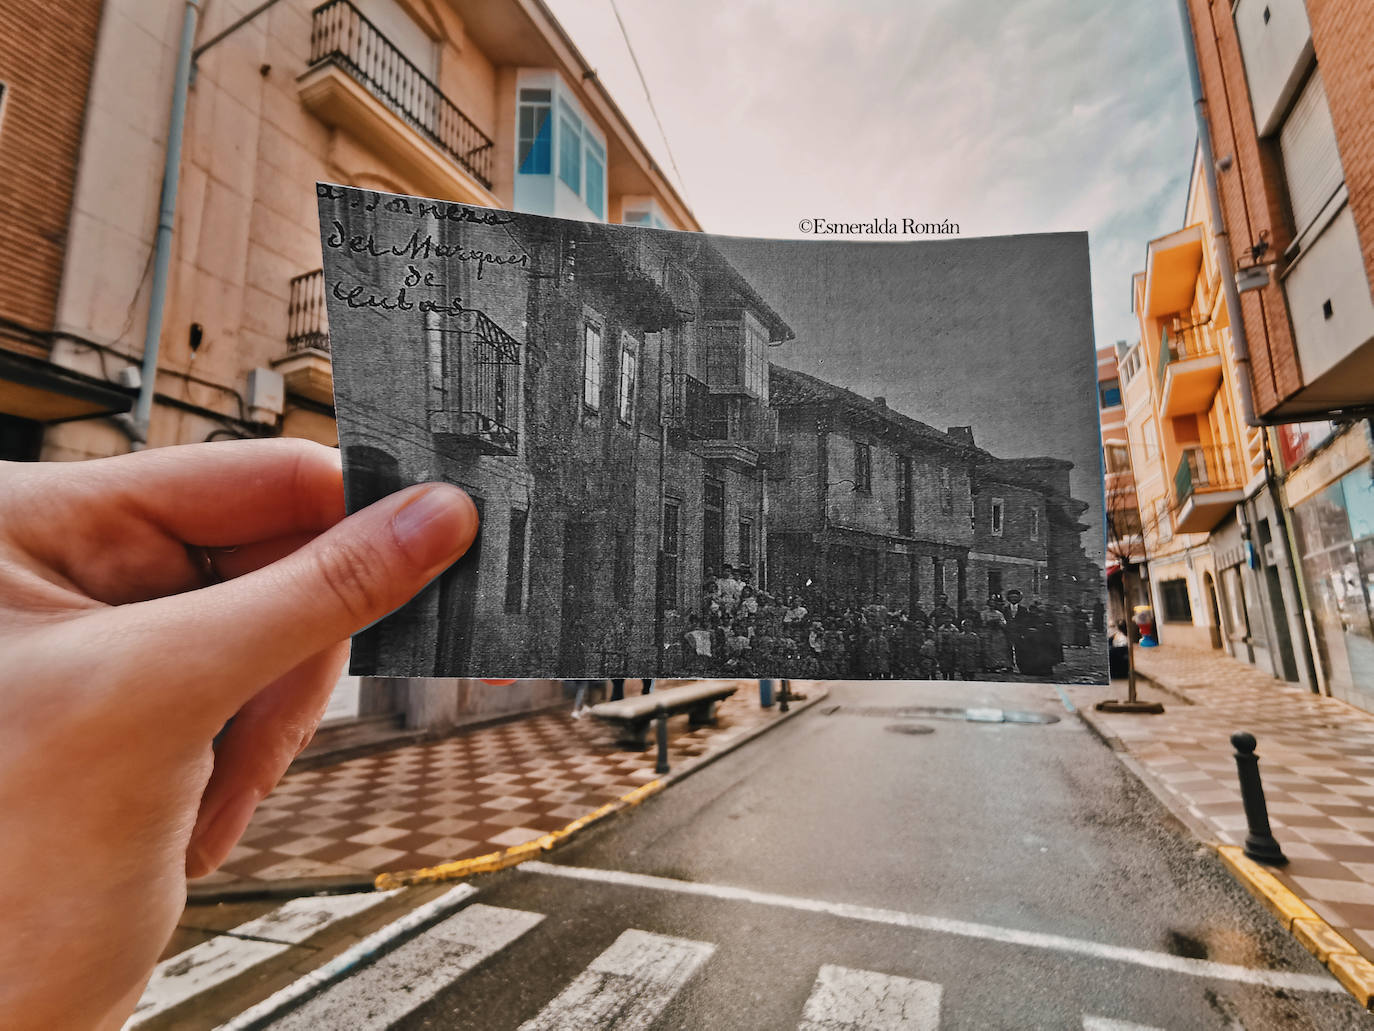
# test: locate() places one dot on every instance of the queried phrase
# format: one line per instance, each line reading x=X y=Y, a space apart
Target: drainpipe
x=1240 y=346
x=162 y=246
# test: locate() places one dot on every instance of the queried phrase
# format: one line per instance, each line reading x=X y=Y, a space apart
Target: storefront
x=1332 y=498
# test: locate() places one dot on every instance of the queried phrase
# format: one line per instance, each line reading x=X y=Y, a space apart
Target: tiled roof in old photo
x=789 y=388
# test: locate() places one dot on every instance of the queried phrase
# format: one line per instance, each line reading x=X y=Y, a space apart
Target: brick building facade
x=45 y=73
x=1289 y=92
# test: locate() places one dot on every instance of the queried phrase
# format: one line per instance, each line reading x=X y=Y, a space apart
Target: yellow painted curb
x=1357 y=974
x=516 y=854
x=1318 y=937
x=1268 y=888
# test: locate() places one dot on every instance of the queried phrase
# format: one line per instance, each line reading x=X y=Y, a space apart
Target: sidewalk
x=1316 y=760
x=477 y=792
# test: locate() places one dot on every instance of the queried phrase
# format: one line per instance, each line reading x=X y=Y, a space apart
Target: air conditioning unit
x=266 y=395
x=1252 y=277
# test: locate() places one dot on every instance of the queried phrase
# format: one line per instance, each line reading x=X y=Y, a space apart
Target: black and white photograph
x=698 y=456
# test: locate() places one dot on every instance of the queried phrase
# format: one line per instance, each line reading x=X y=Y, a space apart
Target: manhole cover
x=909 y=728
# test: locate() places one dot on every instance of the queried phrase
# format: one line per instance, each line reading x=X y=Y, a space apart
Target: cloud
x=1043 y=115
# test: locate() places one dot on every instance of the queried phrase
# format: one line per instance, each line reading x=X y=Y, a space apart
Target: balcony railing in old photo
x=341 y=35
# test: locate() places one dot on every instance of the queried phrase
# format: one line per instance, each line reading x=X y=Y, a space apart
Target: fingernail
x=221 y=834
x=436 y=526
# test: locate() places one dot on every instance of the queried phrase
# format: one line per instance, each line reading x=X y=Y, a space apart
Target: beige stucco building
x=481 y=101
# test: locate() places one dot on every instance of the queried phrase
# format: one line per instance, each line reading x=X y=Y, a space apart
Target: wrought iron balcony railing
x=307 y=323
x=340 y=34
x=1205 y=469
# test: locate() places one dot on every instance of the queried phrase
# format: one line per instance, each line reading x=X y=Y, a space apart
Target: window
x=1036 y=577
x=515 y=562
x=755 y=344
x=713 y=528
x=1311 y=162
x=972 y=513
x=904 y=477
x=998 y=512
x=1173 y=596
x=629 y=373
x=570 y=153
x=1035 y=524
x=863 y=467
x=1109 y=393
x=595 y=192
x=1123 y=523
x=1118 y=458
x=746 y=544
x=405 y=34
x=534 y=153
x=671 y=538
x=946 y=492
x=591 y=365
x=994 y=581
x=642 y=211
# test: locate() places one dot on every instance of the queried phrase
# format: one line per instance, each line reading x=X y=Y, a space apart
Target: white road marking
x=403 y=980
x=1108 y=1024
x=350 y=958
x=944 y=925
x=862 y=1000
x=213 y=962
x=626 y=987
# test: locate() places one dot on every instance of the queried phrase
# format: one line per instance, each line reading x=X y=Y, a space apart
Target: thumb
x=239 y=635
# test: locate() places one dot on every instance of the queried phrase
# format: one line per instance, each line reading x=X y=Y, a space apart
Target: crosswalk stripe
x=378 y=995
x=1108 y=1024
x=863 y=1000
x=1290 y=980
x=211 y=963
x=626 y=987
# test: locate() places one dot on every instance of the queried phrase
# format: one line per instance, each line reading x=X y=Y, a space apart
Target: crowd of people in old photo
x=738 y=629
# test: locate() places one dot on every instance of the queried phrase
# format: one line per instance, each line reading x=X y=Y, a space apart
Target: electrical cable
x=682 y=184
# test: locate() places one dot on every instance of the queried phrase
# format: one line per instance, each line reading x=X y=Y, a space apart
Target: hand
x=124 y=656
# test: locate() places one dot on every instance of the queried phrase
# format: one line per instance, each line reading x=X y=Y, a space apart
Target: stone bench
x=634 y=715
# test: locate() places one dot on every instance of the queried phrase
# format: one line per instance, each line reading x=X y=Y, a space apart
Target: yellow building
x=482 y=101
x=1218 y=566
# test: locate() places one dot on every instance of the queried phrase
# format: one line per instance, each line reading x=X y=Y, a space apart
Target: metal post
x=661 y=729
x=784 y=696
x=1259 y=843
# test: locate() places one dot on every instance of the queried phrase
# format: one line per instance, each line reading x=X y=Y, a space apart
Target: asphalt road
x=844 y=872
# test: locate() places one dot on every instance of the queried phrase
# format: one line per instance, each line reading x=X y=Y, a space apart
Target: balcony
x=306 y=366
x=1189 y=370
x=733 y=428
x=1208 y=484
x=476 y=406
x=360 y=82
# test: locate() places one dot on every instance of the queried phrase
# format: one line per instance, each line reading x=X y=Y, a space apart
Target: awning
x=35 y=389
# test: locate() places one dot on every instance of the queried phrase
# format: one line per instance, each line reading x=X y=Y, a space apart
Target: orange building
x=1214 y=536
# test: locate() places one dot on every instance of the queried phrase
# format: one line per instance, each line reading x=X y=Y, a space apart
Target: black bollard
x=1259 y=843
x=661 y=730
x=784 y=696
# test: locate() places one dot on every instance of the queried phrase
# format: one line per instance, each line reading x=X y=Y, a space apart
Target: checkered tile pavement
x=1316 y=760
x=467 y=795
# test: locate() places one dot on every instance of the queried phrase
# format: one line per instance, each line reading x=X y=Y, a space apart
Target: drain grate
x=936 y=712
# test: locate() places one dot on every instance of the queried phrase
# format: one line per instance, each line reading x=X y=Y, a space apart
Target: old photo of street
x=700 y=456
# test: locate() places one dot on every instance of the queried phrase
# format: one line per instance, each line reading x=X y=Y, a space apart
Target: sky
x=1027 y=117
x=967 y=332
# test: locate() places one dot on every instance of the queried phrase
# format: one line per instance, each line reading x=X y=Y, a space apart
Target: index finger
x=212 y=495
